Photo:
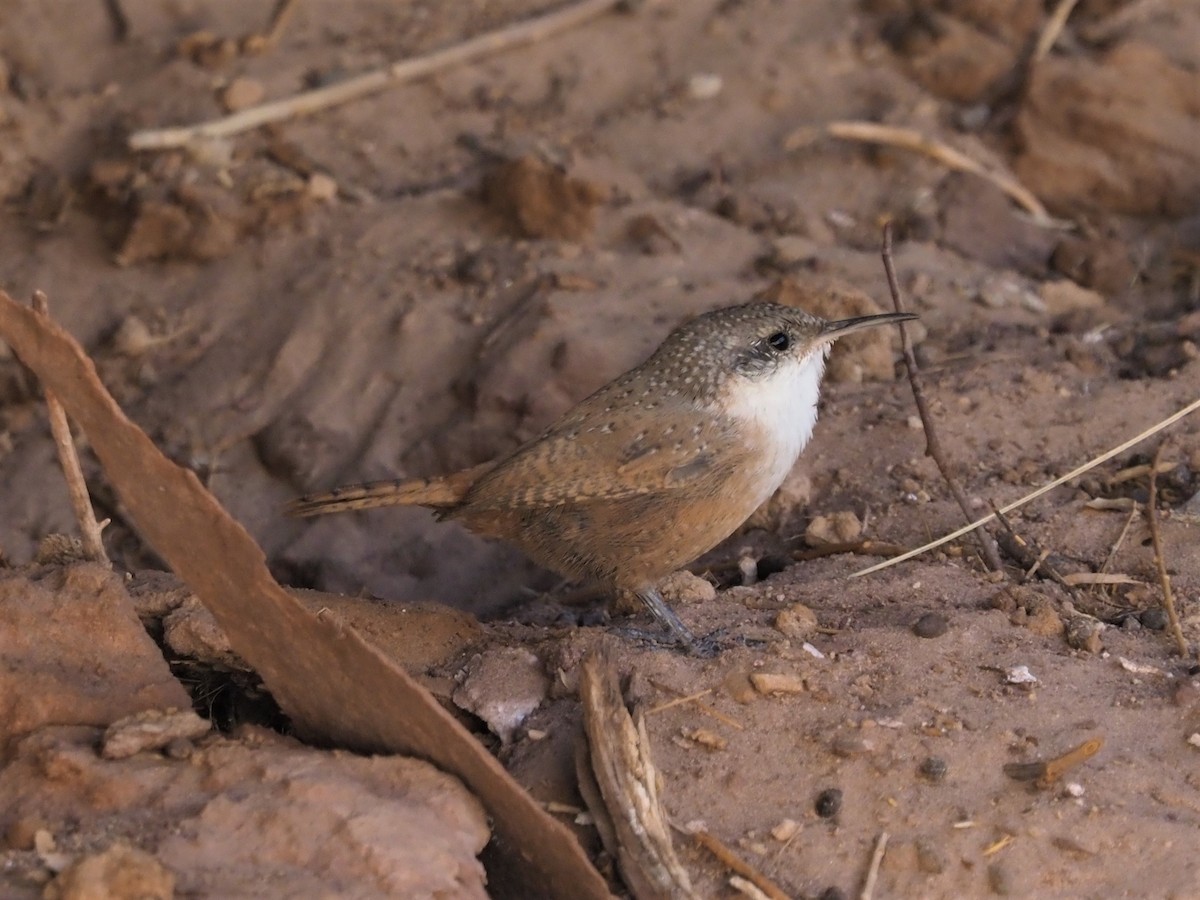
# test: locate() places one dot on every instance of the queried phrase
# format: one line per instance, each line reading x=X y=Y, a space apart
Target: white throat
x=782 y=408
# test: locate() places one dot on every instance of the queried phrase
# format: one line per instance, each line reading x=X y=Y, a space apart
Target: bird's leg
x=673 y=632
x=666 y=616
x=680 y=634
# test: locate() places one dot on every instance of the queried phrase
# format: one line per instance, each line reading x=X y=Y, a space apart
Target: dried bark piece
x=629 y=785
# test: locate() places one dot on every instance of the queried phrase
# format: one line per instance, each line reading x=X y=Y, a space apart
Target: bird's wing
x=585 y=458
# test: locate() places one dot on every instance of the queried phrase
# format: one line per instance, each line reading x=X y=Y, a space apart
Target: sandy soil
x=420 y=280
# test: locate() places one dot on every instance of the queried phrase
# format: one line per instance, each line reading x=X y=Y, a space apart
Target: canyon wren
x=655 y=468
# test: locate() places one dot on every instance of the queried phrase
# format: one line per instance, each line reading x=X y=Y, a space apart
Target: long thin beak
x=842 y=327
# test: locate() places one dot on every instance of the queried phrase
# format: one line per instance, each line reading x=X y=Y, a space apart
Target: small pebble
x=211 y=153
x=775 y=683
x=931 y=625
x=837 y=528
x=241 y=93
x=1020 y=675
x=705 y=86
x=683 y=588
x=847 y=745
x=1155 y=619
x=706 y=738
x=133 y=338
x=796 y=622
x=737 y=685
x=934 y=768
x=829 y=803
x=1084 y=634
x=321 y=187
x=785 y=830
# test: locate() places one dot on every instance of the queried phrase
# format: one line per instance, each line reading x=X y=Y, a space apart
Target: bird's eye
x=779 y=341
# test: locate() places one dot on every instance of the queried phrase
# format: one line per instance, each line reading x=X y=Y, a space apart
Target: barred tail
x=439 y=493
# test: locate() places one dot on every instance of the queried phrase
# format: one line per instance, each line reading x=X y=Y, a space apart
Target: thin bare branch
x=1054 y=27
x=933 y=447
x=68 y=458
x=518 y=35
x=734 y=863
x=868 y=890
x=280 y=16
x=1160 y=559
x=911 y=139
x=1046 y=488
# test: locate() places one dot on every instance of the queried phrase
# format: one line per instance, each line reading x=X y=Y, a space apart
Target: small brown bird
x=655 y=468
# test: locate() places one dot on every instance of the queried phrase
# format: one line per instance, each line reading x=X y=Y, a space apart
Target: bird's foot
x=704 y=647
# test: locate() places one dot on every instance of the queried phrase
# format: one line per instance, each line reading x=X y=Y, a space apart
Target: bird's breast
x=778 y=413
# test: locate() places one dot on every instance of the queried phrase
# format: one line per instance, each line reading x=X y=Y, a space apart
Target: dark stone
x=829 y=803
x=931 y=625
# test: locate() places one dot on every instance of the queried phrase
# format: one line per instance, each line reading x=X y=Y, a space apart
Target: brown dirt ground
x=373 y=291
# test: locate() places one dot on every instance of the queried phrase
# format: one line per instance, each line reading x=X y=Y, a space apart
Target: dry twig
x=1047 y=772
x=680 y=698
x=280 y=16
x=1160 y=559
x=873 y=869
x=1116 y=547
x=1129 y=473
x=1033 y=495
x=68 y=458
x=678 y=701
x=864 y=548
x=737 y=865
x=933 y=447
x=911 y=139
x=1030 y=555
x=117 y=19
x=1027 y=553
x=405 y=70
x=1054 y=27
